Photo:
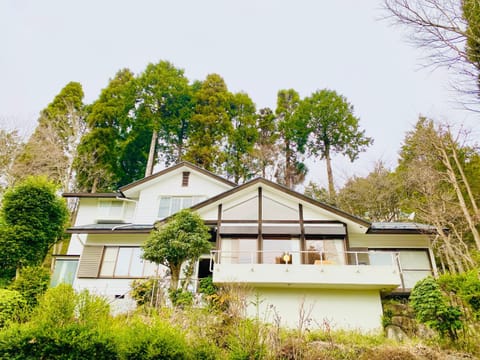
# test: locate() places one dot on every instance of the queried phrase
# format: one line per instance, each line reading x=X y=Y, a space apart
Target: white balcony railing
x=342 y=269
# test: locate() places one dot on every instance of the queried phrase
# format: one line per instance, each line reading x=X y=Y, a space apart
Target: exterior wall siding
x=339 y=309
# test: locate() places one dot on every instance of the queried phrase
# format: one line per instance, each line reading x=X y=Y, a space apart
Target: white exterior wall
x=87 y=211
x=109 y=288
x=340 y=309
x=171 y=185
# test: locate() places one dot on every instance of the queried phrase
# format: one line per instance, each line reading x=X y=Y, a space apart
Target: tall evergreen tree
x=165 y=106
x=241 y=140
x=52 y=147
x=266 y=147
x=293 y=134
x=211 y=124
x=333 y=129
x=99 y=159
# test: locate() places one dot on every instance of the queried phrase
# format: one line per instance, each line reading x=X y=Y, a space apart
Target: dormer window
x=185 y=178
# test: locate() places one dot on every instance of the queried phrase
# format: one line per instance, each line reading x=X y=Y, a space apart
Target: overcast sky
x=257 y=46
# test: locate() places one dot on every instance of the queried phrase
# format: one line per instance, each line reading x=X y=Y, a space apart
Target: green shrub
x=32 y=283
x=181 y=298
x=466 y=286
x=247 y=340
x=431 y=307
x=153 y=340
x=91 y=310
x=57 y=307
x=146 y=292
x=13 y=306
x=73 y=341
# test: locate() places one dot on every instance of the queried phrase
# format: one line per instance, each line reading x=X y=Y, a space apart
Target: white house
x=301 y=258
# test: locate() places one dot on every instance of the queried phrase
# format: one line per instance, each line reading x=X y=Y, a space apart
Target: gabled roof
x=173 y=168
x=260 y=181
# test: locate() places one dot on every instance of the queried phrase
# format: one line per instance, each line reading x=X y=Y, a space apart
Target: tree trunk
x=151 y=154
x=465 y=182
x=331 y=187
x=288 y=165
x=175 y=276
x=458 y=191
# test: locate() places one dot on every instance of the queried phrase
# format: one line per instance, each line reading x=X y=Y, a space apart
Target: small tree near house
x=32 y=219
x=184 y=237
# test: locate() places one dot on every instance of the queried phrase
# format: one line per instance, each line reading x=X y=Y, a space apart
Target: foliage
x=33 y=219
x=431 y=307
x=73 y=341
x=333 y=129
x=210 y=124
x=100 y=158
x=32 y=283
x=292 y=135
x=266 y=147
x=247 y=340
x=166 y=106
x=183 y=237
x=153 y=340
x=181 y=298
x=52 y=147
x=465 y=286
x=316 y=192
x=375 y=197
x=147 y=292
x=10 y=146
x=449 y=32
x=13 y=307
x=239 y=150
x=436 y=186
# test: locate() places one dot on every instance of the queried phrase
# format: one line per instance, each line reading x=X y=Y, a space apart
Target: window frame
x=193 y=199
x=132 y=261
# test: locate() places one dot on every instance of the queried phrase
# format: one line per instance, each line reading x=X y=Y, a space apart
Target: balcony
x=344 y=270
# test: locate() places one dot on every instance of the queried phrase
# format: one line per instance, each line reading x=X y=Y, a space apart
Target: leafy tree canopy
x=184 y=237
x=33 y=218
x=333 y=128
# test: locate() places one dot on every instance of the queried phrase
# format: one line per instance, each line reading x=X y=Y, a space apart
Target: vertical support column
x=303 y=255
x=218 y=240
x=260 y=236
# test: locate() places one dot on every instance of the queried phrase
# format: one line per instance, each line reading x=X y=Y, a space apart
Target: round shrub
x=13 y=306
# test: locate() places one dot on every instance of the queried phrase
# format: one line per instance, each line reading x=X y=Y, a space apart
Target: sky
x=257 y=46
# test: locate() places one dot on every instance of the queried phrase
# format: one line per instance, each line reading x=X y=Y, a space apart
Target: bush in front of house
x=152 y=339
x=13 y=307
x=32 y=282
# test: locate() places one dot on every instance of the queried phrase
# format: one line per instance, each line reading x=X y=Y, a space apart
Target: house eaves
x=173 y=168
x=284 y=189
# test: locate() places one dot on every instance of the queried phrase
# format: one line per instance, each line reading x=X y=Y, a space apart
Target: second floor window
x=171 y=204
x=108 y=209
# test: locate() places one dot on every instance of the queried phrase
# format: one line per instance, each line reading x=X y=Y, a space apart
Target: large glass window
x=125 y=262
x=64 y=272
x=171 y=204
x=239 y=251
x=325 y=251
x=415 y=266
x=281 y=251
